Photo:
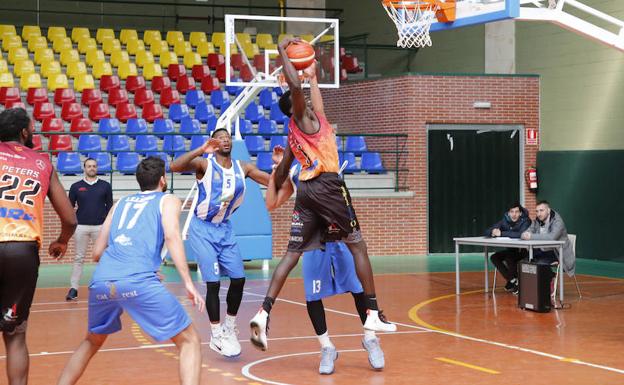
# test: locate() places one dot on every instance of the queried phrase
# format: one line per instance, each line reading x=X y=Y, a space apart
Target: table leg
x=456 y=268
x=530 y=253
x=487 y=278
x=561 y=274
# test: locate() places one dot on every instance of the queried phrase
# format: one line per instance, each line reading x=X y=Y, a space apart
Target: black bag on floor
x=534 y=281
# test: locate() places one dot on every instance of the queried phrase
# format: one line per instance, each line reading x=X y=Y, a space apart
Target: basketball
x=301 y=54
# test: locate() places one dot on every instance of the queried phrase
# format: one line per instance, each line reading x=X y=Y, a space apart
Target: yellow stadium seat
x=134 y=45
x=6 y=80
x=143 y=57
x=69 y=56
x=158 y=46
x=119 y=57
x=61 y=44
x=76 y=68
x=264 y=39
x=273 y=47
x=30 y=31
x=182 y=47
x=11 y=42
x=54 y=32
x=43 y=55
x=243 y=37
x=17 y=54
x=174 y=36
x=204 y=48
x=84 y=81
x=86 y=44
x=104 y=34
x=111 y=45
x=4 y=67
x=283 y=36
x=31 y=80
x=36 y=42
x=101 y=68
x=150 y=70
x=127 y=69
x=57 y=81
x=251 y=50
x=23 y=67
x=50 y=68
x=218 y=39
x=191 y=59
x=233 y=49
x=326 y=38
x=307 y=37
x=128 y=34
x=150 y=36
x=79 y=33
x=197 y=37
x=95 y=56
x=168 y=58
x=7 y=30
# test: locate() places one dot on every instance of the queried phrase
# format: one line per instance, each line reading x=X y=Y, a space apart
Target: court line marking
x=467 y=365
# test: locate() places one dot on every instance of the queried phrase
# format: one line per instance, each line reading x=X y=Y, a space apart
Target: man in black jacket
x=515 y=221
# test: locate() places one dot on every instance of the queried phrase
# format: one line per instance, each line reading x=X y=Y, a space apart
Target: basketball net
x=412 y=20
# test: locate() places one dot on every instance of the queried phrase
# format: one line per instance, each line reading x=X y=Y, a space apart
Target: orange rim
x=420 y=4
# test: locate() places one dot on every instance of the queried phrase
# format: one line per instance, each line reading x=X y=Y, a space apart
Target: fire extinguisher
x=531 y=178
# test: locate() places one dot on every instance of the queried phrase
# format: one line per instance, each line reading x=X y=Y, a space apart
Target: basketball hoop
x=414 y=18
x=281 y=79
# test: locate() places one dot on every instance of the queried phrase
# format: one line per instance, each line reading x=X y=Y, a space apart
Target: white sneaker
x=230 y=346
x=375 y=354
x=216 y=343
x=259 y=326
x=328 y=356
x=376 y=321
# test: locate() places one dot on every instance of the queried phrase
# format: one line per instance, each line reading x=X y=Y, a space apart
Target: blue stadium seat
x=189 y=126
x=194 y=97
x=225 y=105
x=285 y=127
x=355 y=144
x=136 y=126
x=162 y=126
x=177 y=112
x=267 y=97
x=245 y=126
x=203 y=111
x=127 y=162
x=351 y=165
x=340 y=143
x=118 y=143
x=145 y=144
x=108 y=126
x=174 y=143
x=198 y=140
x=278 y=91
x=278 y=141
x=254 y=112
x=267 y=127
x=88 y=143
x=371 y=163
x=211 y=124
x=276 y=114
x=234 y=90
x=68 y=163
x=218 y=97
x=104 y=163
x=264 y=161
x=254 y=144
x=162 y=156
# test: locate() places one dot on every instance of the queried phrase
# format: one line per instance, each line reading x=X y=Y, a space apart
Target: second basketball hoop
x=413 y=19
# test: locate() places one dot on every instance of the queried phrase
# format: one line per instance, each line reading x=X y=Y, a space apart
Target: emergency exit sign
x=532 y=137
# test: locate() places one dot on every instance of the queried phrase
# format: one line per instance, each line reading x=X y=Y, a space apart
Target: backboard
x=472 y=12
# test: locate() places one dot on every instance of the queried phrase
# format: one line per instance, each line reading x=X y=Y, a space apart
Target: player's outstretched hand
x=57 y=249
x=288 y=41
x=211 y=146
x=310 y=72
x=194 y=296
x=278 y=154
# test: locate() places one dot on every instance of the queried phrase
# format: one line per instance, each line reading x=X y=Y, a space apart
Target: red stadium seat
x=9 y=95
x=159 y=83
x=43 y=110
x=125 y=111
x=15 y=105
x=236 y=61
x=152 y=112
x=52 y=125
x=258 y=62
x=200 y=71
x=214 y=60
x=116 y=96
x=184 y=84
x=71 y=111
x=98 y=111
x=209 y=84
x=134 y=83
x=221 y=72
x=350 y=63
x=169 y=96
x=37 y=145
x=109 y=82
x=64 y=95
x=37 y=95
x=143 y=96
x=81 y=125
x=90 y=95
x=60 y=143
x=174 y=71
x=246 y=74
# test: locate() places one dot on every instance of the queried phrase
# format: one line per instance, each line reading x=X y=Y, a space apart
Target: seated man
x=515 y=221
x=549 y=225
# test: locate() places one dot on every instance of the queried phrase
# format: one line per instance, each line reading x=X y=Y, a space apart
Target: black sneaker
x=509 y=286
x=72 y=295
x=516 y=289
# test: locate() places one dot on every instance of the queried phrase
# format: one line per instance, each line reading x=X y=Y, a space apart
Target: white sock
x=325 y=341
x=216 y=329
x=369 y=335
x=230 y=321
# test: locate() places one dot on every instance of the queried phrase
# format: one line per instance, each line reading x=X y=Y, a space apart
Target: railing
x=392 y=148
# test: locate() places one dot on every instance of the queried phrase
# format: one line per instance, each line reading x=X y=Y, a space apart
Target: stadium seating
x=198 y=140
x=276 y=114
x=163 y=126
x=218 y=98
x=203 y=111
x=254 y=112
x=160 y=83
x=104 y=162
x=64 y=95
x=152 y=112
x=109 y=82
x=355 y=144
x=134 y=83
x=136 y=126
x=52 y=125
x=108 y=126
x=91 y=95
x=177 y=112
x=169 y=96
x=127 y=162
x=200 y=71
x=267 y=127
x=189 y=126
x=71 y=111
x=117 y=96
x=60 y=143
x=98 y=111
x=264 y=161
x=80 y=126
x=9 y=95
x=278 y=140
x=43 y=110
x=185 y=84
x=352 y=166
x=89 y=143
x=254 y=144
x=125 y=111
x=36 y=95
x=173 y=144
x=371 y=163
x=117 y=143
x=68 y=163
x=194 y=97
x=143 y=96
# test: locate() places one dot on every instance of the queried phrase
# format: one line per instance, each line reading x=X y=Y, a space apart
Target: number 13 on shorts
x=316 y=286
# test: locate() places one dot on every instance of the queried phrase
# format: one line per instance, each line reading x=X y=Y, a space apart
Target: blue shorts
x=145 y=299
x=215 y=250
x=329 y=272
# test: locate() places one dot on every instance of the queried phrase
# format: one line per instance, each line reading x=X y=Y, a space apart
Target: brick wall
x=406 y=104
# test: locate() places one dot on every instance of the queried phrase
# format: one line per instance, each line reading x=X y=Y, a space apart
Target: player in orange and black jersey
x=26 y=178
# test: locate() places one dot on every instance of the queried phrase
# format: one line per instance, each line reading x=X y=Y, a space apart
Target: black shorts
x=19 y=269
x=323 y=213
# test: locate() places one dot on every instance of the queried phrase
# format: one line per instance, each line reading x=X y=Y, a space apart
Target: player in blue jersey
x=327 y=273
x=221 y=190
x=128 y=249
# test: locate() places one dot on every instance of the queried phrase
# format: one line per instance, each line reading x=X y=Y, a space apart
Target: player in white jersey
x=221 y=190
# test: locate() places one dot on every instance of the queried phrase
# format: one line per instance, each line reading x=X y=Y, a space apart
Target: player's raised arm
x=66 y=213
x=173 y=240
x=255 y=173
x=292 y=78
x=315 y=91
x=192 y=160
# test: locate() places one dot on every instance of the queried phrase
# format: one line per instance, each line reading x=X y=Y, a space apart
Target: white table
x=507 y=243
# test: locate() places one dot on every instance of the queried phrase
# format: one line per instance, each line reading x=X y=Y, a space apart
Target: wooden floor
x=475 y=338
